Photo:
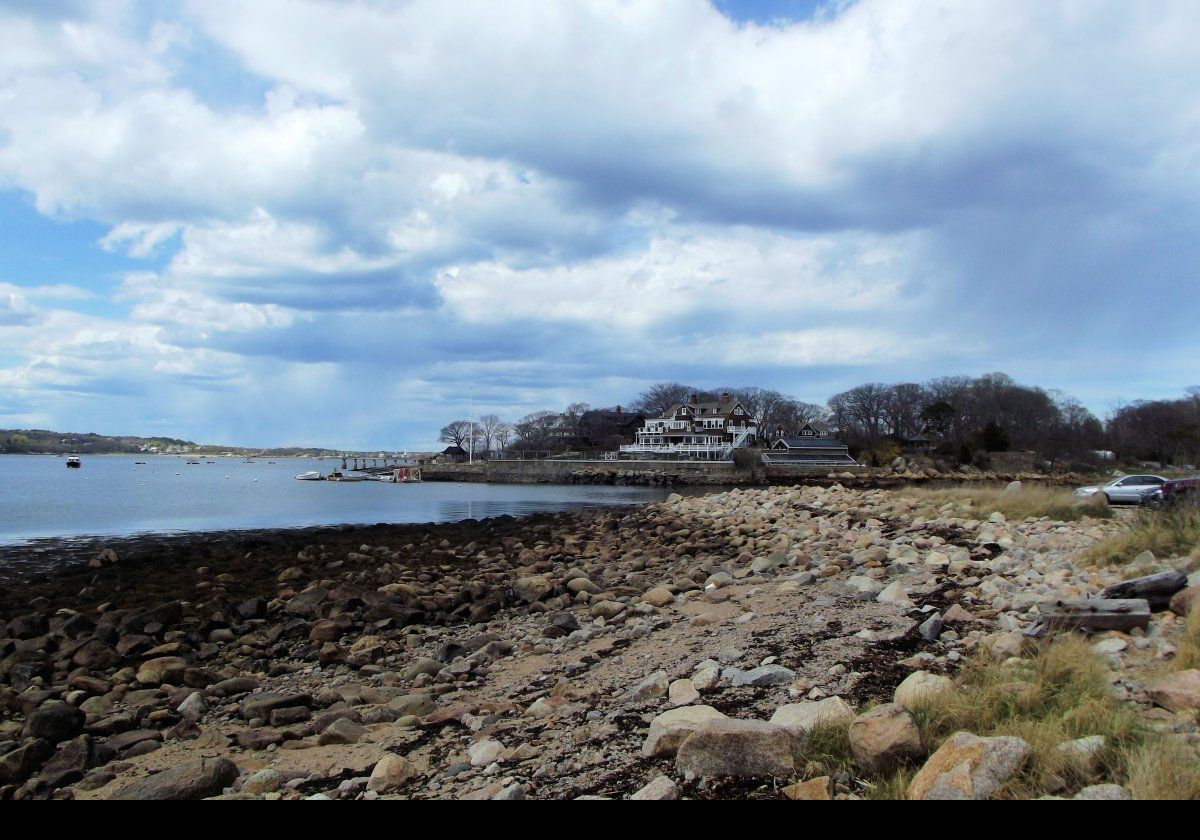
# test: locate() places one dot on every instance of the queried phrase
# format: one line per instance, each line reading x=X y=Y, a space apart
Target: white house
x=709 y=430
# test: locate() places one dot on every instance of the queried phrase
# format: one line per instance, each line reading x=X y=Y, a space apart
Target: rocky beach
x=779 y=642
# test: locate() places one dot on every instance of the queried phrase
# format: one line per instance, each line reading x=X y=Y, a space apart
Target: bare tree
x=487 y=426
x=572 y=421
x=534 y=431
x=904 y=404
x=656 y=400
x=457 y=433
x=501 y=434
x=861 y=412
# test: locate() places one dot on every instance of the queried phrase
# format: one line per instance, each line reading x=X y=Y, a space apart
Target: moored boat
x=74 y=462
x=311 y=475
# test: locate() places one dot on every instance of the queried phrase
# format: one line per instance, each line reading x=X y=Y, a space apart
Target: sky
x=297 y=222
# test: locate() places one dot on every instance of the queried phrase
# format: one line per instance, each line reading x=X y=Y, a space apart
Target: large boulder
x=885 y=738
x=261 y=705
x=308 y=603
x=95 y=655
x=193 y=780
x=54 y=722
x=671 y=728
x=919 y=687
x=1185 y=600
x=659 y=596
x=392 y=772
x=969 y=767
x=162 y=669
x=18 y=765
x=413 y=704
x=801 y=718
x=655 y=685
x=1176 y=692
x=660 y=789
x=737 y=748
x=533 y=588
x=763 y=675
x=74 y=757
x=819 y=789
x=152 y=620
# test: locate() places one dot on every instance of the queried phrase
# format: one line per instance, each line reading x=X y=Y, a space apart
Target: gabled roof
x=810 y=443
x=712 y=408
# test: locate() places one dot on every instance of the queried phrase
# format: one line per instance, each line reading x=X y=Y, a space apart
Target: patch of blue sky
x=767 y=12
x=39 y=251
x=216 y=77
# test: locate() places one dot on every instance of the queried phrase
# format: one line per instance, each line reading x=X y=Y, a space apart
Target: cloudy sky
x=324 y=223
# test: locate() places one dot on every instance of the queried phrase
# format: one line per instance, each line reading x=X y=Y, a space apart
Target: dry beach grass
x=1030 y=501
x=1165 y=533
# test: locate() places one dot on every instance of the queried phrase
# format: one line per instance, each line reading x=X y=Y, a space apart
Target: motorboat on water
x=338 y=475
x=311 y=475
x=74 y=462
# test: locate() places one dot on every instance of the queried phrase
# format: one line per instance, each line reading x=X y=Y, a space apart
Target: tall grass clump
x=1061 y=694
x=1173 y=532
x=1165 y=768
x=1187 y=655
x=1028 y=501
x=827 y=750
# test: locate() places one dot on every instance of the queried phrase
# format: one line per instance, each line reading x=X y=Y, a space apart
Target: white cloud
x=15 y=307
x=742 y=273
x=547 y=194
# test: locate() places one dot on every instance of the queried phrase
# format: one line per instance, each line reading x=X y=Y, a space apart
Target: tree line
x=957 y=418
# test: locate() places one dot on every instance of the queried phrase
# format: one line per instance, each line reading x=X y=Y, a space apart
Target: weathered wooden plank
x=1157 y=588
x=1092 y=614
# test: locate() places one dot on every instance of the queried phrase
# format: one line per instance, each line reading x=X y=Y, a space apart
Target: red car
x=1181 y=489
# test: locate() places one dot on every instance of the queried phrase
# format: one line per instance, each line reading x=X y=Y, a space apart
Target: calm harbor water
x=111 y=495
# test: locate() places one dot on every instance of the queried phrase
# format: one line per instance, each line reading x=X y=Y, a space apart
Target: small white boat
x=311 y=475
x=74 y=462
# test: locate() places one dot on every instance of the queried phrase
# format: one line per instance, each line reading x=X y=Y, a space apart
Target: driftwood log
x=1092 y=614
x=1157 y=589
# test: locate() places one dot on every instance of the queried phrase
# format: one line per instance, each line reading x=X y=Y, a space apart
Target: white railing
x=739 y=439
x=673 y=447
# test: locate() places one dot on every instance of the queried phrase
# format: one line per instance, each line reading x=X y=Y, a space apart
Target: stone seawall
x=714 y=474
x=644 y=473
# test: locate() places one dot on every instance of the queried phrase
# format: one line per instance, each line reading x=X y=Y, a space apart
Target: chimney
x=725 y=397
x=693 y=399
x=618 y=409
